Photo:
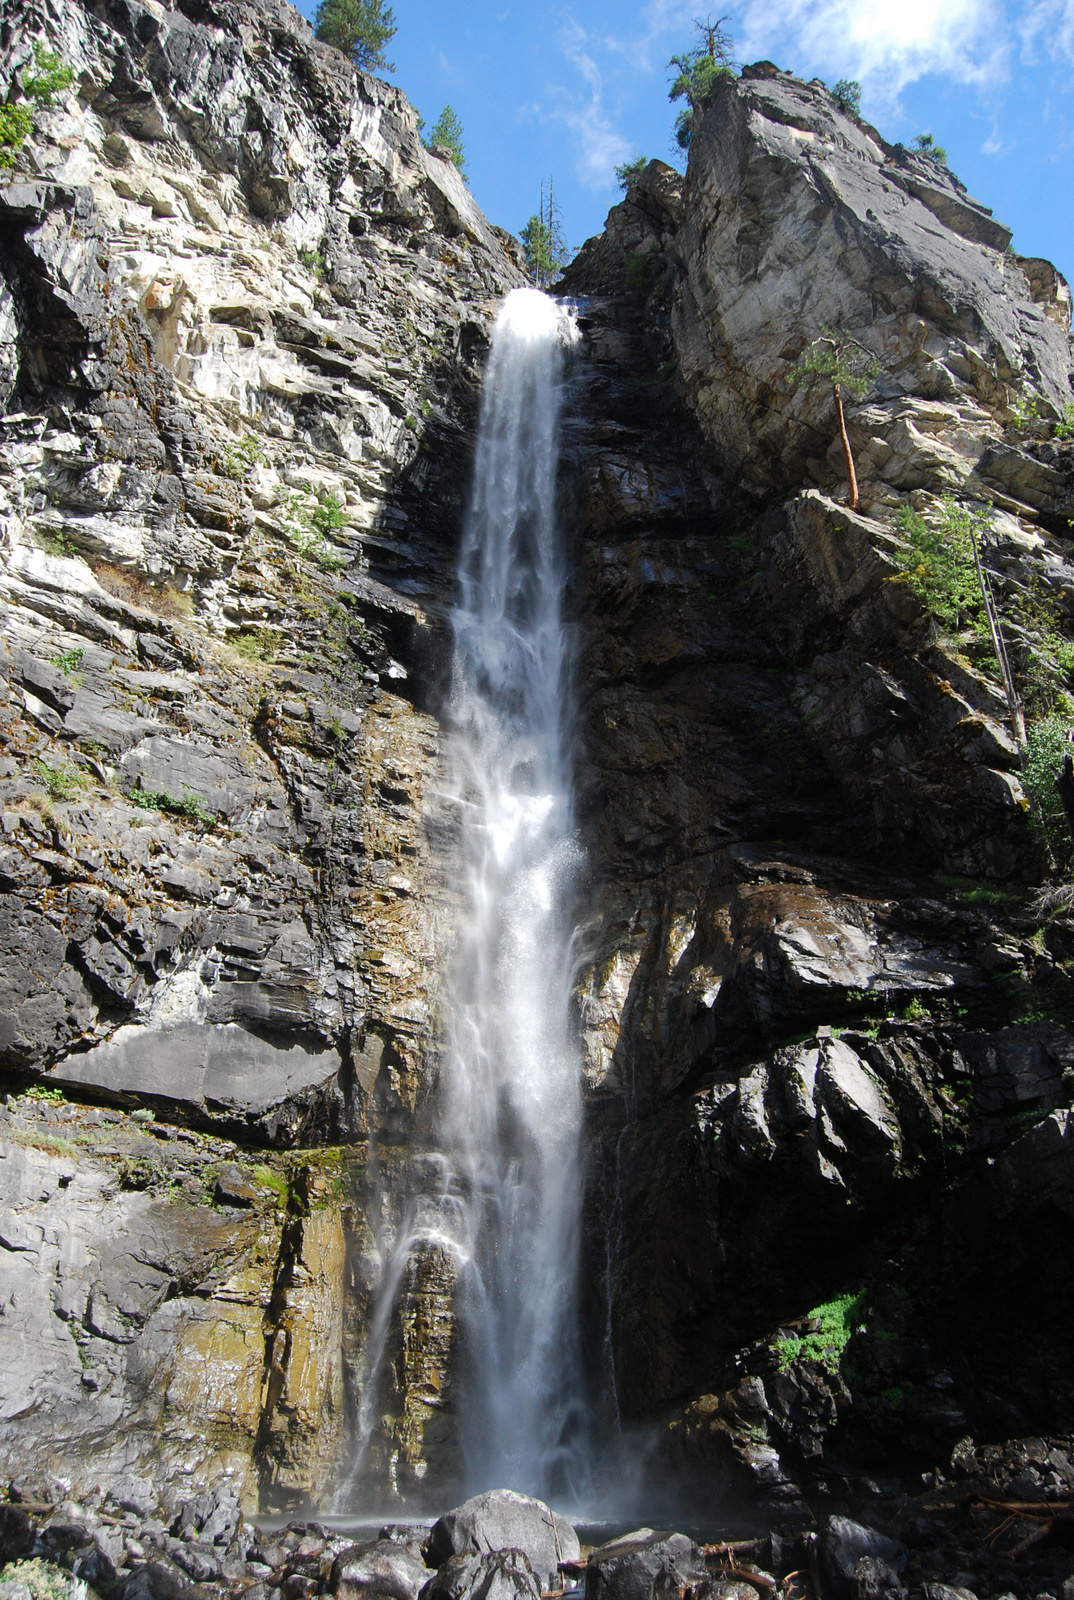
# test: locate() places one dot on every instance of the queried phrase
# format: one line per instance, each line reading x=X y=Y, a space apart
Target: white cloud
x=599 y=145
x=1051 y=23
x=883 y=44
x=658 y=20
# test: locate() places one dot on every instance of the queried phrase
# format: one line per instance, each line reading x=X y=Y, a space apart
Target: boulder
x=643 y=1565
x=385 y=1568
x=844 y=1544
x=496 y=1575
x=503 y=1520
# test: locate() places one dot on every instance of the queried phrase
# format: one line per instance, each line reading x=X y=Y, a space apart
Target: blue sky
x=567 y=90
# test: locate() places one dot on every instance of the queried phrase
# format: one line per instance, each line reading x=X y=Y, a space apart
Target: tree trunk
x=852 y=476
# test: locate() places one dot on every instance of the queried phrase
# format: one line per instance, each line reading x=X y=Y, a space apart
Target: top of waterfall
x=531 y=314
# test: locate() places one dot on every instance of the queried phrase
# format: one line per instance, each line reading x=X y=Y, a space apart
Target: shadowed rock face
x=805 y=1008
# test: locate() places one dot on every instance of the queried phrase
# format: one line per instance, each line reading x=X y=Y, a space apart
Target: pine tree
x=840 y=360
x=697 y=72
x=446 y=135
x=360 y=28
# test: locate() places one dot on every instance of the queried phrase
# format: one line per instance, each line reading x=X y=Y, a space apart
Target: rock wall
x=820 y=1014
x=242 y=316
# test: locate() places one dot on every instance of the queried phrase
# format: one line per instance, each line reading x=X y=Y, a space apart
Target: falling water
x=512 y=1080
x=502 y=1195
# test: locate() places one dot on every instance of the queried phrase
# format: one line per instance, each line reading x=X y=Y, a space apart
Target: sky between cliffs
x=571 y=89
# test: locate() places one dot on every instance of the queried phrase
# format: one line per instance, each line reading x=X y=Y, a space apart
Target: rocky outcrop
x=814 y=1020
x=242 y=312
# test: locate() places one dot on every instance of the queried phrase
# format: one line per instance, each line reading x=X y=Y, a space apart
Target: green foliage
x=51 y=77
x=255 y=644
x=41 y=87
x=836 y=1323
x=308 y=527
x=360 y=28
x=55 y=543
x=242 y=457
x=1064 y=428
x=847 y=96
x=1047 y=742
x=836 y=358
x=926 y=146
x=68 y=661
x=1025 y=409
x=915 y=1011
x=630 y=171
x=939 y=565
x=188 y=804
x=697 y=72
x=446 y=134
x=313 y=261
x=38 y=1091
x=545 y=254
x=640 y=268
x=63 y=782
x=44 y=1581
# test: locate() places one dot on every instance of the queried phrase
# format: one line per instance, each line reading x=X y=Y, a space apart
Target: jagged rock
x=386 y=1568
x=501 y=1519
x=495 y=1575
x=844 y=1543
x=642 y=1566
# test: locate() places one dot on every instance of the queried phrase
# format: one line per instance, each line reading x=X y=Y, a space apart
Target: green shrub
x=628 y=174
x=63 y=782
x=44 y=1581
x=1047 y=742
x=1025 y=408
x=68 y=661
x=16 y=122
x=188 y=804
x=836 y=1318
x=640 y=269
x=308 y=527
x=241 y=457
x=939 y=565
x=313 y=261
x=926 y=146
x=1064 y=428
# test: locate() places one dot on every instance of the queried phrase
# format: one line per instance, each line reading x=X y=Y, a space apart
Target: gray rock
x=844 y=1543
x=219 y=1070
x=386 y=1568
x=643 y=1565
x=496 y=1575
x=504 y=1520
x=16 y=1532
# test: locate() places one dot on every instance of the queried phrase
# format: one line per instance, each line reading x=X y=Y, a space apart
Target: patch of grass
x=255 y=644
x=1064 y=428
x=127 y=584
x=270 y=1178
x=826 y=1345
x=915 y=1011
x=38 y=1091
x=1025 y=409
x=188 y=804
x=63 y=782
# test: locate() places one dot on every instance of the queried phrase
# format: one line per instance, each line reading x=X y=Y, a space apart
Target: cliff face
x=829 y=1051
x=242 y=316
x=242 y=324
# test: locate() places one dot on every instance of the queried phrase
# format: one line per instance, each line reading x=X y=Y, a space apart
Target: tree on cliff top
x=841 y=360
x=360 y=28
x=697 y=72
x=446 y=134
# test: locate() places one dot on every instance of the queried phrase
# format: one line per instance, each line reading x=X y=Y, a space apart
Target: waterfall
x=511 y=1082
x=501 y=1198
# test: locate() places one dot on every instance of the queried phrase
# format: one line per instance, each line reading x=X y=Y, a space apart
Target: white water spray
x=504 y=1203
x=512 y=1080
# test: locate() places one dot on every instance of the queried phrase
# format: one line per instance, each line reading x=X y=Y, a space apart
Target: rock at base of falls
x=496 y=1575
x=642 y=1565
x=504 y=1520
x=385 y=1568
